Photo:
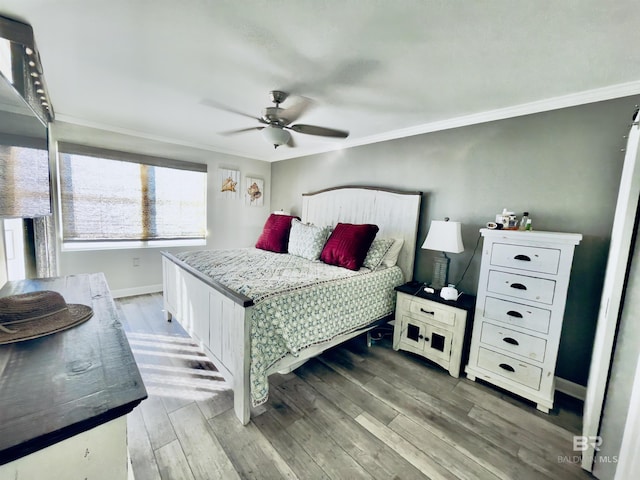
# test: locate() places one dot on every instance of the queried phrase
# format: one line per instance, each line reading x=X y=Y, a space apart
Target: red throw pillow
x=348 y=245
x=275 y=234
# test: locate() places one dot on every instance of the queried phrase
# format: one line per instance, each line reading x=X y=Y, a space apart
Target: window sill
x=134 y=244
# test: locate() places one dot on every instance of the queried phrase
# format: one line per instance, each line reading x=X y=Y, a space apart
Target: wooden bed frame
x=220 y=318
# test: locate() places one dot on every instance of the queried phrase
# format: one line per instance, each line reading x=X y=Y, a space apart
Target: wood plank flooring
x=354 y=412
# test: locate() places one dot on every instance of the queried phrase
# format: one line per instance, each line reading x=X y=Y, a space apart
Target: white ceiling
x=378 y=69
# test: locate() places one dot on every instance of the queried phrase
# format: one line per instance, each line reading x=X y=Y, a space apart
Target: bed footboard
x=221 y=326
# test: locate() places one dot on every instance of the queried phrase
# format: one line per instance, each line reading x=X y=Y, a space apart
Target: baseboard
x=132 y=292
x=574 y=390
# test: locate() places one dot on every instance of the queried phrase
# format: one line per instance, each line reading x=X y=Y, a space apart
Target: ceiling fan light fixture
x=276 y=122
x=276 y=136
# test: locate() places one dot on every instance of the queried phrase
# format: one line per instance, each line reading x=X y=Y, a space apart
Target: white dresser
x=520 y=305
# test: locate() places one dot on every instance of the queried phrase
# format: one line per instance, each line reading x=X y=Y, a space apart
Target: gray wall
x=230 y=223
x=562 y=166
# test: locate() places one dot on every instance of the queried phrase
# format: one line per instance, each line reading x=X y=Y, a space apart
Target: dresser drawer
x=426 y=310
x=515 y=342
x=507 y=367
x=522 y=257
x=512 y=313
x=521 y=286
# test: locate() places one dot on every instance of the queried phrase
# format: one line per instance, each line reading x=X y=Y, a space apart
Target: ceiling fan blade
x=240 y=130
x=212 y=103
x=294 y=112
x=320 y=131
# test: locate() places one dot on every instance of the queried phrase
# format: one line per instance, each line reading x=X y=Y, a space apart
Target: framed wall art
x=228 y=183
x=254 y=192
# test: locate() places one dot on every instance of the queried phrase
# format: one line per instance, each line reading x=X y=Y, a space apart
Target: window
x=24 y=181
x=117 y=196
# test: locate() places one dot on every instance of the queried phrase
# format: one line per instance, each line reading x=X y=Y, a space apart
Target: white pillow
x=306 y=240
x=391 y=257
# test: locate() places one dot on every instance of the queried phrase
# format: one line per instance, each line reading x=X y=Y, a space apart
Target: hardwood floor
x=354 y=412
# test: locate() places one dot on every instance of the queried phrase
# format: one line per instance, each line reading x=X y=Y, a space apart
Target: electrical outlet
x=136 y=262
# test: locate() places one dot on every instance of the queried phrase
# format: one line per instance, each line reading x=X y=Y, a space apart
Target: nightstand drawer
x=522 y=257
x=515 y=342
x=512 y=313
x=521 y=286
x=510 y=368
x=427 y=310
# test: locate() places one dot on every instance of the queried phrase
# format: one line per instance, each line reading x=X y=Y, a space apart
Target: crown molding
x=146 y=136
x=550 y=104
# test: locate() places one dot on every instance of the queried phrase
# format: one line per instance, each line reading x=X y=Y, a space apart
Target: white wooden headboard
x=396 y=213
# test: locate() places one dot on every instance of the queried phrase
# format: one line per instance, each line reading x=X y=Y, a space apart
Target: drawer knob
x=524 y=258
x=510 y=341
x=507 y=367
x=518 y=286
x=427 y=311
x=513 y=313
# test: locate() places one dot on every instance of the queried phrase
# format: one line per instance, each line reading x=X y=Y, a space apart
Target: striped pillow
x=275 y=233
x=348 y=244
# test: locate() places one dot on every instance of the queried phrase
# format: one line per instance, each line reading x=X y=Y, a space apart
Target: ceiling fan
x=276 y=121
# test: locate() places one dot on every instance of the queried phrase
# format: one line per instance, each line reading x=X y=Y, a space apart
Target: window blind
x=24 y=181
x=112 y=196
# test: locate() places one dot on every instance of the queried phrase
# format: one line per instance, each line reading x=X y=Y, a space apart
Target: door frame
x=612 y=291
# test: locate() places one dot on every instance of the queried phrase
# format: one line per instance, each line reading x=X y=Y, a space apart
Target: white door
x=614 y=283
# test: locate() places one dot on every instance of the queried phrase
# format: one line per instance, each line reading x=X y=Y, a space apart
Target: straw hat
x=36 y=314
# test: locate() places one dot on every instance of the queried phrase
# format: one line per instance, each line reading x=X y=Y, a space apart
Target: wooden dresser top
x=57 y=386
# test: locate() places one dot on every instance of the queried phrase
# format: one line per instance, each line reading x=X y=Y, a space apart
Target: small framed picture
x=228 y=183
x=254 y=192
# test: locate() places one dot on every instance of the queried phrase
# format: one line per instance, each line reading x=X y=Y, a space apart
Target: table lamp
x=444 y=236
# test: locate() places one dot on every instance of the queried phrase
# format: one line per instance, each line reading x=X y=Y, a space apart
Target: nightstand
x=432 y=327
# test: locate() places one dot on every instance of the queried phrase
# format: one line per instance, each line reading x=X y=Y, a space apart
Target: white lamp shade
x=276 y=136
x=444 y=236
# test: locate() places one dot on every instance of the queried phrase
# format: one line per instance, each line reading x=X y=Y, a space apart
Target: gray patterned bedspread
x=297 y=302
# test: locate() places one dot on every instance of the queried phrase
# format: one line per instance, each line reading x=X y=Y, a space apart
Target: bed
x=257 y=312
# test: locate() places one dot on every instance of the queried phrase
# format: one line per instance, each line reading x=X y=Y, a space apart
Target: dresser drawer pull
x=513 y=313
x=518 y=286
x=524 y=258
x=426 y=311
x=507 y=367
x=510 y=341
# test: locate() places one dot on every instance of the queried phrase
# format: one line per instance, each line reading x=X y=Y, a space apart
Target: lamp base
x=440 y=272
